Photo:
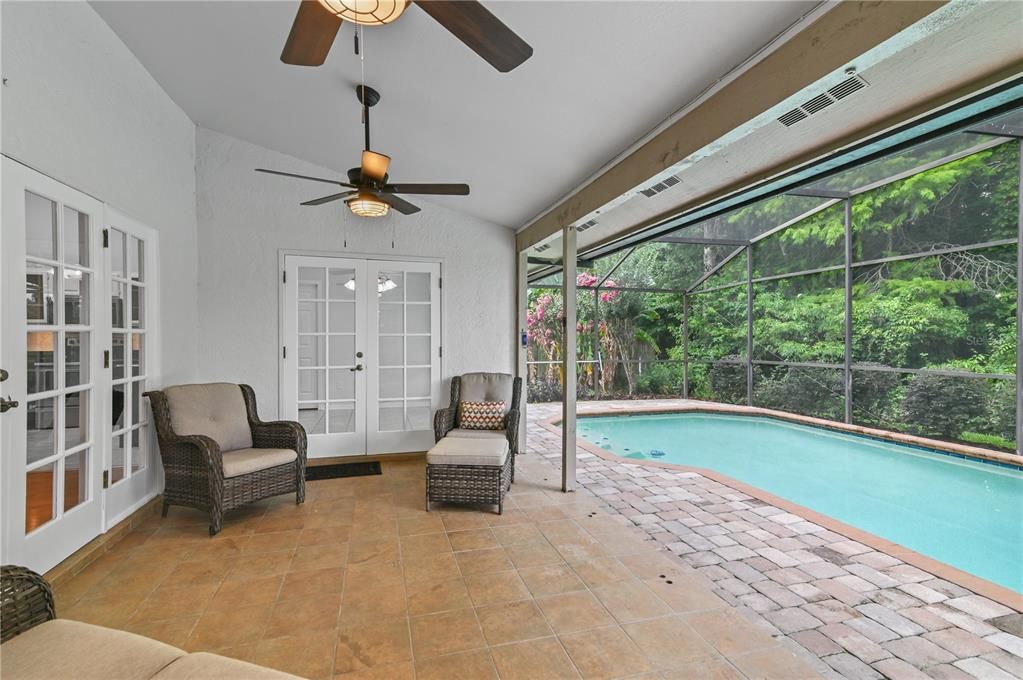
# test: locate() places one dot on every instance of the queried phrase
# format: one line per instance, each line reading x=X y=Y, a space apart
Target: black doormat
x=362 y=469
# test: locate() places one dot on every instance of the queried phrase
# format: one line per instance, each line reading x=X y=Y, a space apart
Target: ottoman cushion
x=465 y=451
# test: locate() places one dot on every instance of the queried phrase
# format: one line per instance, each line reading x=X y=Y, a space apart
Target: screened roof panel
x=898 y=163
x=753 y=220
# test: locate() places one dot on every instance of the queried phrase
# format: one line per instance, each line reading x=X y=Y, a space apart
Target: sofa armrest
x=26 y=600
x=443 y=422
x=511 y=428
x=280 y=434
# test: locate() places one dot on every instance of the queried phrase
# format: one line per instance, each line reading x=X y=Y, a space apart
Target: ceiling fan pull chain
x=356 y=41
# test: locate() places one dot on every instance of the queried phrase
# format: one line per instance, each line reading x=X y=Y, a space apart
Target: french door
x=52 y=458
x=360 y=355
x=129 y=470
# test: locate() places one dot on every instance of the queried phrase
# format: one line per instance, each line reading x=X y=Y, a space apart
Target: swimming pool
x=965 y=513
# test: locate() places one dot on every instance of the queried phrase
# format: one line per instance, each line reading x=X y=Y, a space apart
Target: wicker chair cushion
x=70 y=649
x=216 y=410
x=206 y=666
x=460 y=433
x=465 y=451
x=487 y=387
x=244 y=461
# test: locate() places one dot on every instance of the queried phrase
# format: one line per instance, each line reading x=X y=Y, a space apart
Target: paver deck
x=848 y=609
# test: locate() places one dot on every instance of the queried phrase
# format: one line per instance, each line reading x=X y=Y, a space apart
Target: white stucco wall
x=245 y=218
x=78 y=106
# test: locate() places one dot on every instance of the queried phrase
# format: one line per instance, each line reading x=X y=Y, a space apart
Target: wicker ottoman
x=468 y=471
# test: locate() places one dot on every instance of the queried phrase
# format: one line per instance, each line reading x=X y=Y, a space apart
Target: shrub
x=660 y=379
x=728 y=381
x=875 y=397
x=807 y=391
x=943 y=406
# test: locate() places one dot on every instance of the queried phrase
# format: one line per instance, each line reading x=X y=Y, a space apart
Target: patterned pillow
x=481 y=415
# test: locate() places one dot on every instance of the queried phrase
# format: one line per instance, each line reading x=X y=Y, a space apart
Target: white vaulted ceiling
x=602 y=75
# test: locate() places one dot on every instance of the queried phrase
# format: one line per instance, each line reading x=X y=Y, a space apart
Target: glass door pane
x=322 y=382
x=59 y=438
x=405 y=316
x=129 y=343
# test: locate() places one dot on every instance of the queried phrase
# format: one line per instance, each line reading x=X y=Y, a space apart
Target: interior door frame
x=283 y=253
x=128 y=495
x=87 y=517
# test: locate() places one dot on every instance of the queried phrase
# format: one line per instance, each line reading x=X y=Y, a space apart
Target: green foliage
x=814 y=392
x=943 y=406
x=728 y=381
x=876 y=396
x=988 y=440
x=951 y=310
x=663 y=379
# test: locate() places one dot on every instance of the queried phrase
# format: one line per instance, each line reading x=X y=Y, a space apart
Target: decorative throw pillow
x=481 y=415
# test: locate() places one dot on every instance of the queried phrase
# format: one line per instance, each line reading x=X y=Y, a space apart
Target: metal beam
x=521 y=342
x=685 y=346
x=795 y=220
x=615 y=267
x=697 y=241
x=1019 y=312
x=716 y=268
x=568 y=360
x=810 y=192
x=749 y=325
x=847 y=367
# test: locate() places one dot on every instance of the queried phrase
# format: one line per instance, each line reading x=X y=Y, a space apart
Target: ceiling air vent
x=542 y=247
x=823 y=101
x=585 y=225
x=663 y=185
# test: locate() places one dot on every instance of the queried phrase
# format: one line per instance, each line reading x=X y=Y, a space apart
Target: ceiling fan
x=369 y=194
x=318 y=21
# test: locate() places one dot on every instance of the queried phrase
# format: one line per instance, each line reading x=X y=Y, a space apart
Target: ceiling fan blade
x=311 y=36
x=434 y=189
x=481 y=31
x=374 y=166
x=315 y=179
x=399 y=204
x=332 y=197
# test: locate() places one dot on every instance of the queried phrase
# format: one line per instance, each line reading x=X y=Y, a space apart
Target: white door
x=129 y=279
x=404 y=336
x=323 y=358
x=360 y=355
x=52 y=303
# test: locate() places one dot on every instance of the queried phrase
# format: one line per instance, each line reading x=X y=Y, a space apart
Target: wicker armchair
x=218 y=455
x=483 y=387
x=25 y=601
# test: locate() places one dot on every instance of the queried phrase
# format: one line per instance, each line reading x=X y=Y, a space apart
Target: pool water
x=965 y=513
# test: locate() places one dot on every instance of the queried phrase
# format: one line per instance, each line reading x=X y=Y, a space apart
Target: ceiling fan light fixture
x=367 y=205
x=366 y=12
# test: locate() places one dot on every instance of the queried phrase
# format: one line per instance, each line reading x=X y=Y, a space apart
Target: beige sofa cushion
x=244 y=461
x=487 y=387
x=466 y=451
x=459 y=433
x=216 y=410
x=70 y=649
x=203 y=666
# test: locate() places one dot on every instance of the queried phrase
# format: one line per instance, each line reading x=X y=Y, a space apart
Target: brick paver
x=848 y=609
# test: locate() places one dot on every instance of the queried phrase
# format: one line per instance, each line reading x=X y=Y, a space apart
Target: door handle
x=6 y=404
x=358 y=367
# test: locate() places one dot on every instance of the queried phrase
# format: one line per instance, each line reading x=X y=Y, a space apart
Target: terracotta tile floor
x=846 y=609
x=361 y=582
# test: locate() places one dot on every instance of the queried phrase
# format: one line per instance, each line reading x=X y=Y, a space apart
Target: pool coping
x=978 y=585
